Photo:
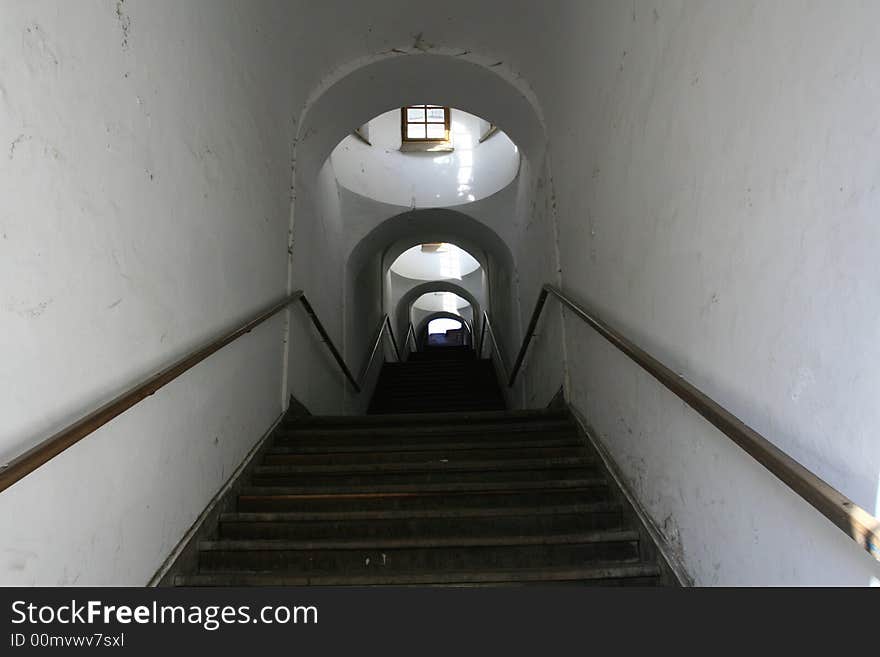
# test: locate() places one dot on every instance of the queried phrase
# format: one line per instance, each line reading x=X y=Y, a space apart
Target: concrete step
x=487 y=511
x=320 y=481
x=458 y=426
x=426 y=496
x=369 y=458
x=430 y=466
x=449 y=444
x=421 y=408
x=347 y=422
x=608 y=574
x=402 y=554
x=515 y=481
x=263 y=500
x=534 y=522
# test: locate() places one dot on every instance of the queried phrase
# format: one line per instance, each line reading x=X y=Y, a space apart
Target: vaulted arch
x=404 y=305
x=421 y=330
x=367 y=88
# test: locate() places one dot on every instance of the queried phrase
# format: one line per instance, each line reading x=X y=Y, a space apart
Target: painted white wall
x=314 y=377
x=710 y=189
x=144 y=184
x=697 y=155
x=718 y=203
x=402 y=292
x=471 y=171
x=356 y=90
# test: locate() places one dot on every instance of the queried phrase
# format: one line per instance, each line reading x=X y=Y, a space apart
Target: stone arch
x=369 y=87
x=404 y=305
x=421 y=330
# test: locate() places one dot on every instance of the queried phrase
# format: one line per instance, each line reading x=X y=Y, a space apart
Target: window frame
x=405 y=122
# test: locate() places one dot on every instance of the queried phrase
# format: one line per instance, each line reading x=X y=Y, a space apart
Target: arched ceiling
x=406 y=301
x=423 y=325
x=403 y=231
x=447 y=301
x=394 y=81
x=443 y=324
x=434 y=262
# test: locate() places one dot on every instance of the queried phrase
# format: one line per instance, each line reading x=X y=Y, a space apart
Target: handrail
x=45 y=451
x=411 y=331
x=487 y=326
x=384 y=325
x=325 y=338
x=853 y=520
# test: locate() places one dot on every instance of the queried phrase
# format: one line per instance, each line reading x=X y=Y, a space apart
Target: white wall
x=718 y=203
x=711 y=176
x=314 y=377
x=710 y=188
x=471 y=171
x=144 y=183
x=366 y=85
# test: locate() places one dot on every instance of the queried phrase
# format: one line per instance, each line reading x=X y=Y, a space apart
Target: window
x=424 y=123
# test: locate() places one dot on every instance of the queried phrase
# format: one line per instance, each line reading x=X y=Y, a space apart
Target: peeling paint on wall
x=124 y=21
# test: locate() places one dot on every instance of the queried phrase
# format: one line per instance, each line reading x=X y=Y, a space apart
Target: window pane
x=415 y=131
x=436 y=131
x=415 y=114
x=437 y=115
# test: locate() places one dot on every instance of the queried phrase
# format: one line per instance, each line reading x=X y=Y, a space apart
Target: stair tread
x=407 y=418
x=592 y=572
x=389 y=490
x=391 y=514
x=423 y=447
x=437 y=485
x=437 y=428
x=441 y=465
x=356 y=543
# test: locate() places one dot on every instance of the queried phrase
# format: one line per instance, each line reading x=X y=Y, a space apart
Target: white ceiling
x=447 y=263
x=435 y=301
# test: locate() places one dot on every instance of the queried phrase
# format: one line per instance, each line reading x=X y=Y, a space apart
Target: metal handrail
x=487 y=327
x=46 y=450
x=411 y=331
x=325 y=338
x=384 y=326
x=853 y=520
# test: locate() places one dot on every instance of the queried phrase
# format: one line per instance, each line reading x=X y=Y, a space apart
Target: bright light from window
x=442 y=324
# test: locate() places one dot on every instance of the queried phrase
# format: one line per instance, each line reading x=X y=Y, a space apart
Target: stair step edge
x=275 y=545
x=410 y=490
x=596 y=572
x=415 y=514
x=414 y=467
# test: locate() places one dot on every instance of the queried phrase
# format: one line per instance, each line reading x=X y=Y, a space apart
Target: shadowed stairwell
x=475 y=498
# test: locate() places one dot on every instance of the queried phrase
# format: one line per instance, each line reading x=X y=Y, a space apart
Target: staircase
x=473 y=498
x=437 y=379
